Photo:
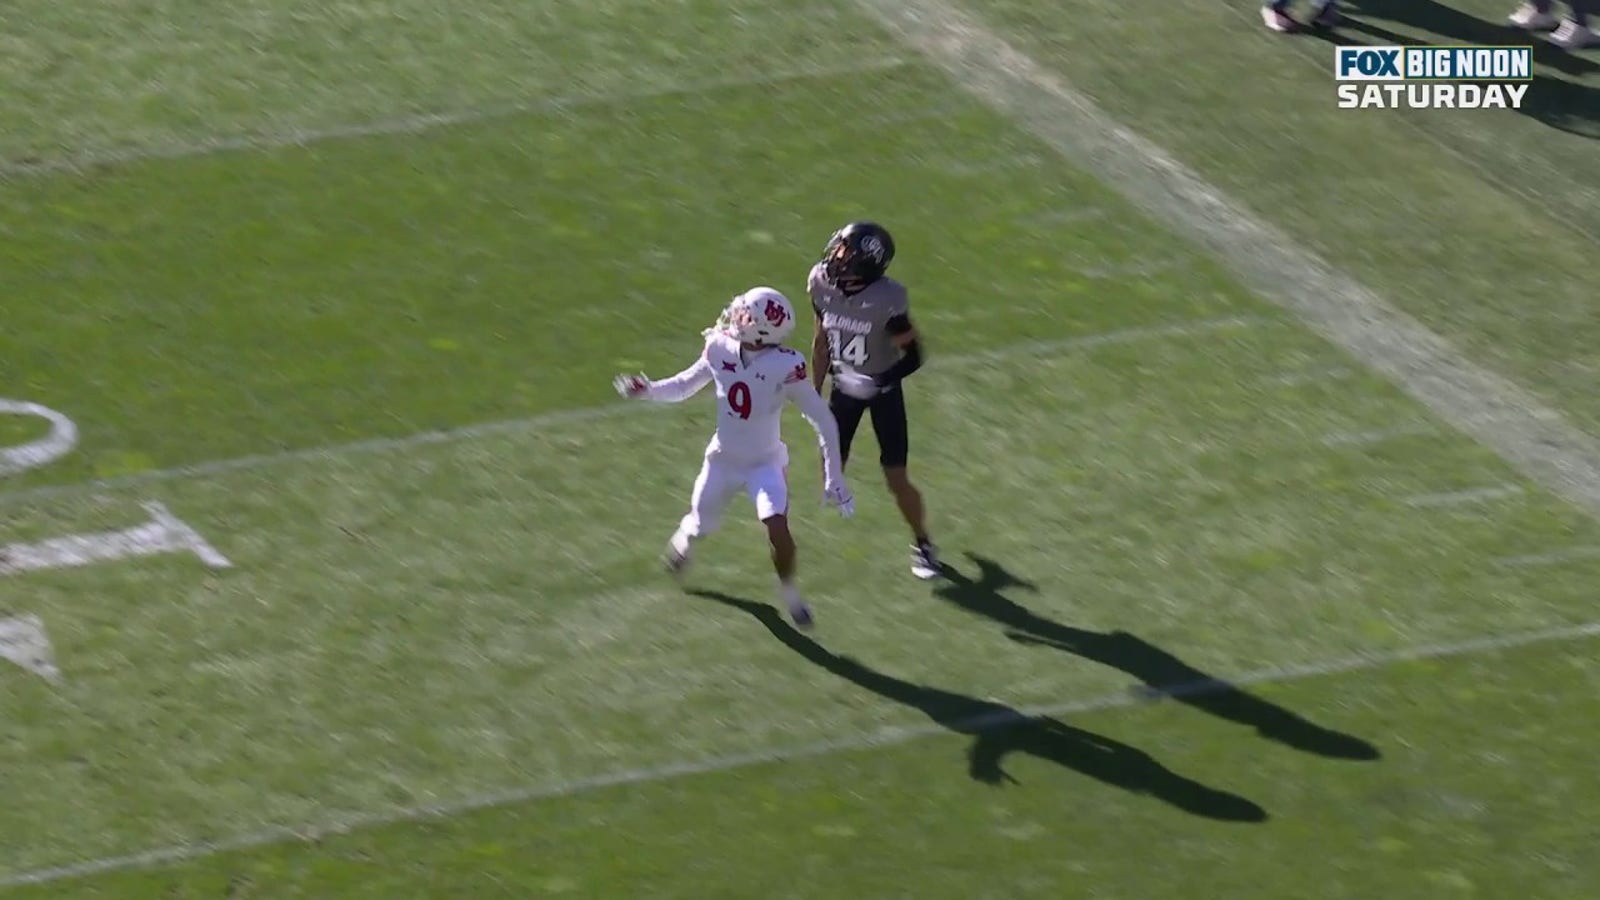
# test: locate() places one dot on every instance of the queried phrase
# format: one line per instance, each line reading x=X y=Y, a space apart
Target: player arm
x=821 y=354
x=904 y=335
x=815 y=410
x=681 y=386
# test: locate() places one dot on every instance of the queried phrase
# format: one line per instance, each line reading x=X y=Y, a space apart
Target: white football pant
x=719 y=480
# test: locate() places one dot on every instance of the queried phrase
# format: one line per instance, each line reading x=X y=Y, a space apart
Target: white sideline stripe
x=426 y=121
x=1533 y=437
x=890 y=736
x=1554 y=557
x=1459 y=498
x=1189 y=328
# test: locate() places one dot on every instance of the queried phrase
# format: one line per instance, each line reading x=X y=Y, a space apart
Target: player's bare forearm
x=820 y=358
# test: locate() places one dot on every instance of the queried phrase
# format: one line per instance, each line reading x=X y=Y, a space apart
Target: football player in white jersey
x=755 y=377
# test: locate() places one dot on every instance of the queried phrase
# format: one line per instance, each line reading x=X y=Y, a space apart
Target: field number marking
x=59 y=442
x=23 y=640
x=164 y=533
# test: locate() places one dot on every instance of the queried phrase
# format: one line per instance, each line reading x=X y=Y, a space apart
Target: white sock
x=681 y=542
x=789 y=593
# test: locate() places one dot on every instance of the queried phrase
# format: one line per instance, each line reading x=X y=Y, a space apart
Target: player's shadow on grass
x=999 y=730
x=1568 y=105
x=1162 y=674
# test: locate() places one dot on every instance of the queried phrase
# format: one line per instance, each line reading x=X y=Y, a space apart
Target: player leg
x=769 y=490
x=847 y=411
x=1536 y=15
x=713 y=488
x=1574 y=32
x=894 y=446
x=1275 y=13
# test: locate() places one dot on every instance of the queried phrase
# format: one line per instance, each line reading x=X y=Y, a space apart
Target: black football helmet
x=857 y=255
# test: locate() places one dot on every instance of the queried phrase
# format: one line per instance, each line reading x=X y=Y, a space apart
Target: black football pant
x=888 y=411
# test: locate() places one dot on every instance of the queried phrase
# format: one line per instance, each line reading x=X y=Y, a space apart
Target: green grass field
x=341 y=287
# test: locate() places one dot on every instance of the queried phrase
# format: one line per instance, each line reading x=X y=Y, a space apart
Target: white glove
x=857 y=385
x=631 y=386
x=837 y=494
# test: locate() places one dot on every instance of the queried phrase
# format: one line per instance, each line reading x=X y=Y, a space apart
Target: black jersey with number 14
x=857 y=325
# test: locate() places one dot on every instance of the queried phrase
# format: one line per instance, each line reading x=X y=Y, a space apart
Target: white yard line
x=180 y=853
x=1464 y=497
x=1368 y=438
x=1182 y=329
x=1534 y=438
x=429 y=121
x=1549 y=558
x=1314 y=376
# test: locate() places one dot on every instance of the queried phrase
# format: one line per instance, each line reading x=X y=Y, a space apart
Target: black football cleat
x=1278 y=20
x=800 y=613
x=925 y=561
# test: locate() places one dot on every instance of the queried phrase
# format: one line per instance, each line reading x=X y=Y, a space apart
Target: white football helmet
x=760 y=315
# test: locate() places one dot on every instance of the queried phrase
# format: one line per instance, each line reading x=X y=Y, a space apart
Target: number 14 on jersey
x=852 y=351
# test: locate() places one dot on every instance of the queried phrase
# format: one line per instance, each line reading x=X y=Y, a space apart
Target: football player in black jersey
x=865 y=340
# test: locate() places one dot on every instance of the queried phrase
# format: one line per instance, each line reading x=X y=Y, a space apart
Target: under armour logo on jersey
x=729 y=367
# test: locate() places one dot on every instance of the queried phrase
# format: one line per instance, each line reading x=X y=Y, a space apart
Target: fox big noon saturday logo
x=1432 y=77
